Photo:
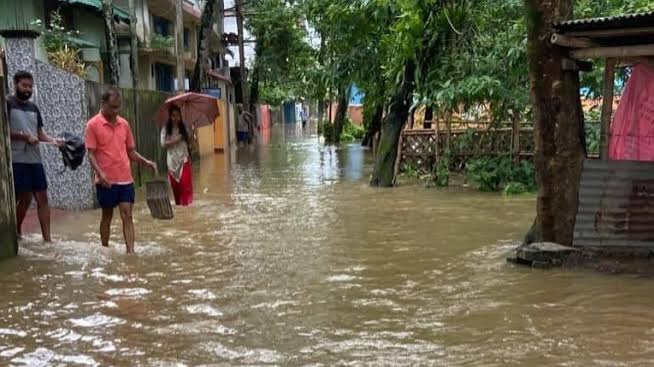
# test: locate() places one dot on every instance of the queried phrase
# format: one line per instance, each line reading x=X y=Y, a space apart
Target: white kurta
x=177 y=154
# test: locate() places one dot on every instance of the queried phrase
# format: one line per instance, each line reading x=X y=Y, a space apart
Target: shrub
x=495 y=173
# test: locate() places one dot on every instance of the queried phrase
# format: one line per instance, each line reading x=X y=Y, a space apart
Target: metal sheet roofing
x=97 y=4
x=636 y=20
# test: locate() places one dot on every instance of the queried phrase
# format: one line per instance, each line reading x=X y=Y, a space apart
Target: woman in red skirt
x=175 y=139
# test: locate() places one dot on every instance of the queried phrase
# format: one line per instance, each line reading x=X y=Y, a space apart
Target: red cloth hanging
x=632 y=131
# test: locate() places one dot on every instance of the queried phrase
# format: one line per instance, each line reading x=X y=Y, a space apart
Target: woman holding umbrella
x=189 y=109
x=175 y=138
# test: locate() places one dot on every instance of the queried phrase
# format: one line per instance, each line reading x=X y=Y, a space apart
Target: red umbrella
x=197 y=109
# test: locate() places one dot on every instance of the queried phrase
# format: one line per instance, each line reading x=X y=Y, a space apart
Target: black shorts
x=109 y=198
x=29 y=177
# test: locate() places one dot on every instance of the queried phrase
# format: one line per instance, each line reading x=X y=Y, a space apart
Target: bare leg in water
x=128 y=225
x=23 y=201
x=43 y=210
x=105 y=226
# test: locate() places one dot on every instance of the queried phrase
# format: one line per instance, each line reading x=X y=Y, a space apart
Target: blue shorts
x=109 y=198
x=242 y=135
x=29 y=177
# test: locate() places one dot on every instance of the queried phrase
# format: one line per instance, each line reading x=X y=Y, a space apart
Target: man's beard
x=23 y=96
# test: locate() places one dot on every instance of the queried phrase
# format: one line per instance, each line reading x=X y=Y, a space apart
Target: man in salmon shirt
x=111 y=147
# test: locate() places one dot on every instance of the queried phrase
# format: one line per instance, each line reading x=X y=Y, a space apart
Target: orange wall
x=354 y=113
x=205 y=139
x=220 y=128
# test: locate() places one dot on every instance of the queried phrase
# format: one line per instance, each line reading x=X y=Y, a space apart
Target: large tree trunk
x=341 y=114
x=134 y=46
x=558 y=119
x=384 y=172
x=373 y=123
x=254 y=84
x=254 y=89
x=321 y=111
x=112 y=42
x=209 y=15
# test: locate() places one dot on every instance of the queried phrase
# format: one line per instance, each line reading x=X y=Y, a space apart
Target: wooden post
x=437 y=131
x=607 y=107
x=398 y=158
x=448 y=140
x=179 y=37
x=8 y=237
x=515 y=130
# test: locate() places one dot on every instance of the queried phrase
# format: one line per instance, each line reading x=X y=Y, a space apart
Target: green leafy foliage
x=410 y=171
x=159 y=42
x=496 y=173
x=57 y=40
x=470 y=56
x=592 y=137
x=352 y=132
x=284 y=58
x=55 y=36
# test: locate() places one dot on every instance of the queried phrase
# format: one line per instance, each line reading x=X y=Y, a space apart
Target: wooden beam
x=398 y=158
x=607 y=107
x=571 y=42
x=608 y=33
x=613 y=52
x=515 y=139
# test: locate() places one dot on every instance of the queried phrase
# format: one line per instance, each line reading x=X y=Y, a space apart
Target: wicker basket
x=158 y=199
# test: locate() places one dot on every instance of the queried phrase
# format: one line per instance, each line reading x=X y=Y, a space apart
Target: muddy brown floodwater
x=288 y=258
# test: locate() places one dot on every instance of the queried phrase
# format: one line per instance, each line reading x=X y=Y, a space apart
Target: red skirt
x=183 y=190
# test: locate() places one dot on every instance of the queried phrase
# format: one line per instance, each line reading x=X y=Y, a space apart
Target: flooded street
x=288 y=258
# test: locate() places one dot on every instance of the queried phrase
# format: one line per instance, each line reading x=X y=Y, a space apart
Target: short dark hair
x=109 y=93
x=21 y=75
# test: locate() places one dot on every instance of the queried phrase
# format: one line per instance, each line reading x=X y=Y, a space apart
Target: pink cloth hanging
x=632 y=131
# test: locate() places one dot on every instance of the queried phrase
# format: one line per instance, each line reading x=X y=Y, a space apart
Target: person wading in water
x=111 y=147
x=175 y=139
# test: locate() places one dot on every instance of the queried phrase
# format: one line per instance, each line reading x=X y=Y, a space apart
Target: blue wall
x=356 y=96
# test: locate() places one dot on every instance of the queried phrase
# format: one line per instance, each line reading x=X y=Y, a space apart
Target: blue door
x=289 y=112
x=164 y=77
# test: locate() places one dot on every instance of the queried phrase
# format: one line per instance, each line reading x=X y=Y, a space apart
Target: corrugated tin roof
x=97 y=4
x=616 y=205
x=82 y=42
x=635 y=20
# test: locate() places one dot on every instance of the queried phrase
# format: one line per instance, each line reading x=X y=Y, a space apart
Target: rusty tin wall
x=616 y=205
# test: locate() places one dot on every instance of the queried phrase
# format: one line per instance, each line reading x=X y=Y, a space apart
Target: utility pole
x=241 y=53
x=179 y=36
